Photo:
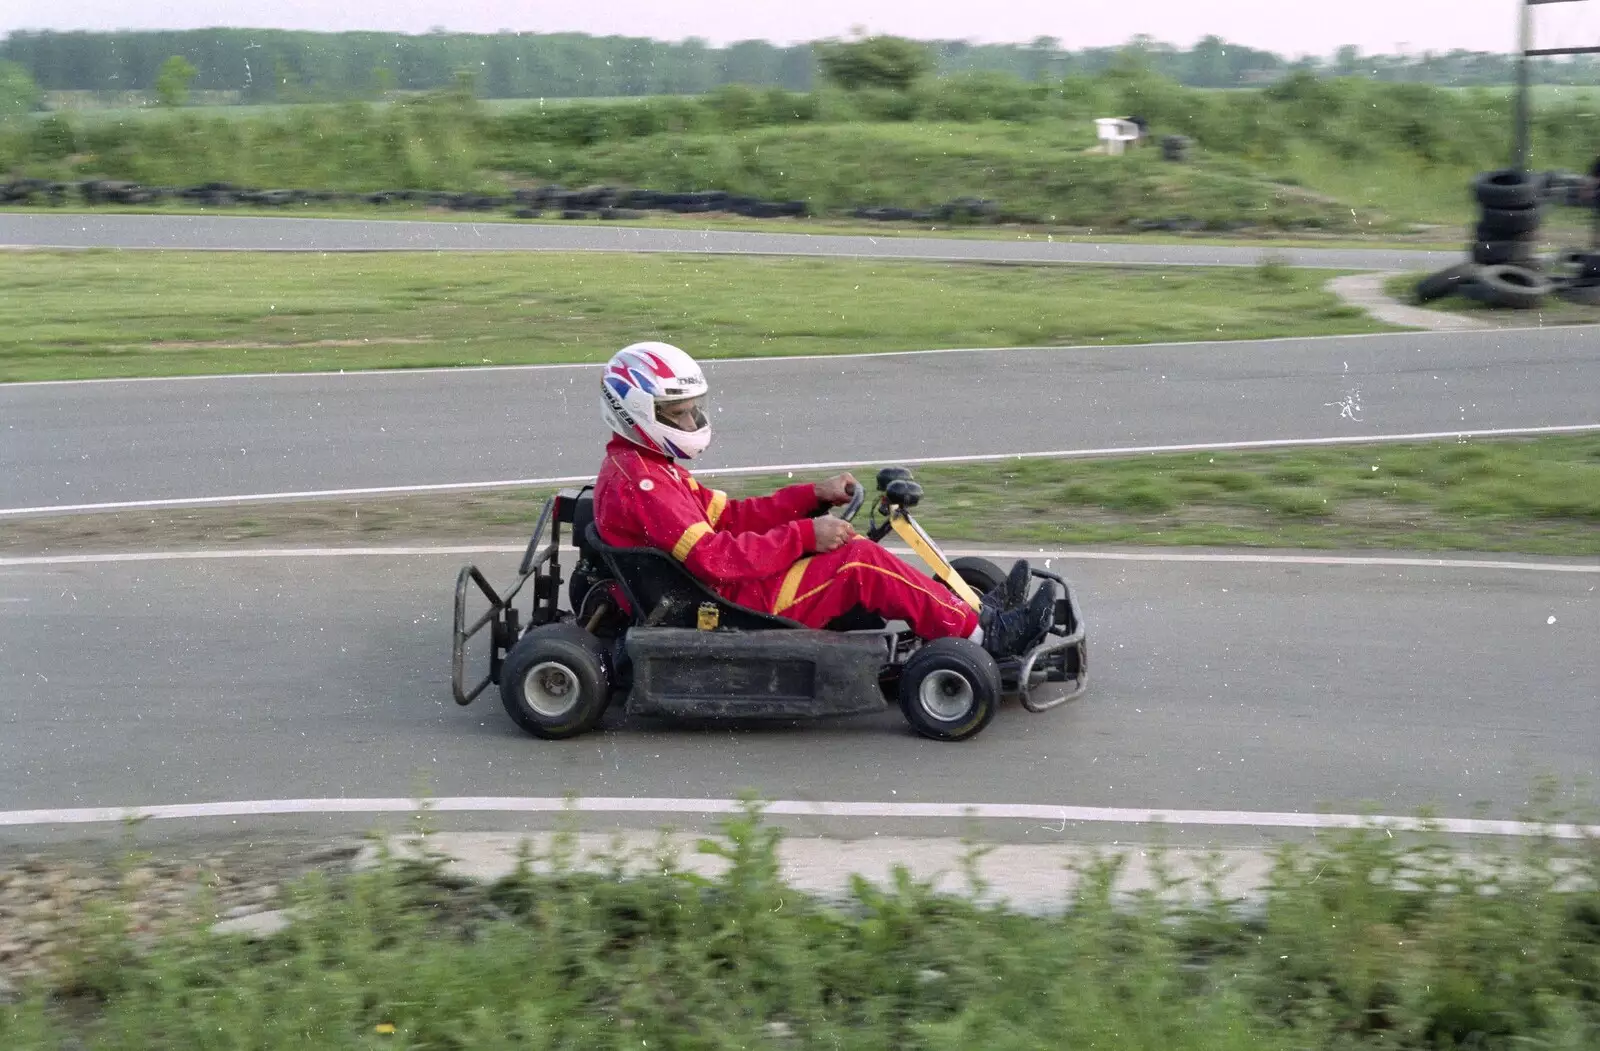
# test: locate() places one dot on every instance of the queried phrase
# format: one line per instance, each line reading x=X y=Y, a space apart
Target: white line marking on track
x=1056 y=454
x=112 y=558
x=310 y=494
x=711 y=363
x=797 y=808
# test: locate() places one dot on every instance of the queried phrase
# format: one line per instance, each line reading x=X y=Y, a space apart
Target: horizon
x=720 y=45
x=1378 y=27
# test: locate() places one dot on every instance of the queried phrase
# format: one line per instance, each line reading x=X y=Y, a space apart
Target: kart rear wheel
x=950 y=689
x=554 y=682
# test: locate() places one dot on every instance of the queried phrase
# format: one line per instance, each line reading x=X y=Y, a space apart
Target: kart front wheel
x=950 y=689
x=980 y=574
x=553 y=682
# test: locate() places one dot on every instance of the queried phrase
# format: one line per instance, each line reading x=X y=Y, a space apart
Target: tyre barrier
x=608 y=201
x=1583 y=293
x=1446 y=281
x=1510 y=209
x=1507 y=188
x=1503 y=234
x=1512 y=287
x=1564 y=188
x=1498 y=253
x=1572 y=276
x=1504 y=269
x=1501 y=224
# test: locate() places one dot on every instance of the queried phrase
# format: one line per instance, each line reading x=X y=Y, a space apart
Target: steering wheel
x=858 y=496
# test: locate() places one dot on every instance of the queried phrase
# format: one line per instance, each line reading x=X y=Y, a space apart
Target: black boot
x=1013 y=592
x=1011 y=633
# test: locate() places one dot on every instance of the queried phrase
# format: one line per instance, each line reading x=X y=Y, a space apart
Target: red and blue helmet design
x=639 y=381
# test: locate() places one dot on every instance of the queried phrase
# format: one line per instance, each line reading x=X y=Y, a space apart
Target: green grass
x=78 y=315
x=1363 y=156
x=1547 y=95
x=1394 y=188
x=1037 y=170
x=1538 y=497
x=1361 y=942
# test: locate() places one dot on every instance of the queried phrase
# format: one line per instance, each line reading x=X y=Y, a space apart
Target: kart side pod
x=797 y=673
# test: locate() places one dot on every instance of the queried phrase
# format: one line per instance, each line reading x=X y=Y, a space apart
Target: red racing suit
x=755 y=551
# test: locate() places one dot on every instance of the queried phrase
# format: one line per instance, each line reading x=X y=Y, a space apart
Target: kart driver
x=778 y=553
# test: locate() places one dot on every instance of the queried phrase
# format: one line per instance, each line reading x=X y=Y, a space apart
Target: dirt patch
x=46 y=897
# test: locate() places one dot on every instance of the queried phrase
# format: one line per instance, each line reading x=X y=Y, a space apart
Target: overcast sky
x=1286 y=26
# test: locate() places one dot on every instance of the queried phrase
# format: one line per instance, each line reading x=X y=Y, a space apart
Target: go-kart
x=638 y=625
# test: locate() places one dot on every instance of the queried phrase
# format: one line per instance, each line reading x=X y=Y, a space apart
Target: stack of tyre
x=1505 y=270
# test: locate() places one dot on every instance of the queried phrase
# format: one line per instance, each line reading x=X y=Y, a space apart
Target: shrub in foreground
x=1362 y=943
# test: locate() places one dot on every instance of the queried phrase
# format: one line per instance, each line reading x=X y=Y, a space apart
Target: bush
x=1359 y=941
x=889 y=62
x=172 y=82
x=18 y=93
x=52 y=139
x=974 y=97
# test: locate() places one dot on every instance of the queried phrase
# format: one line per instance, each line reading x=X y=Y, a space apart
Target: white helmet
x=650 y=390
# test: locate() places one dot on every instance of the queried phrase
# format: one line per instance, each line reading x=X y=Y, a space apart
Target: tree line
x=259 y=66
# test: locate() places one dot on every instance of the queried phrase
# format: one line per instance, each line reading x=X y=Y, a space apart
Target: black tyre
x=554 y=682
x=1513 y=286
x=1499 y=253
x=1583 y=293
x=1446 y=281
x=1507 y=224
x=1506 y=188
x=950 y=689
x=1571 y=258
x=980 y=574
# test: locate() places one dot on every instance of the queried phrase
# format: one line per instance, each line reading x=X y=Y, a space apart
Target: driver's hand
x=837 y=490
x=832 y=533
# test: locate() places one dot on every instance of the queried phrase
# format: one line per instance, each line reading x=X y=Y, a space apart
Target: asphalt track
x=238 y=233
x=65 y=445
x=1251 y=687
x=1218 y=686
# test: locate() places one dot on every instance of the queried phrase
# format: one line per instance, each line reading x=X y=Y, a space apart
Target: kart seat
x=583 y=518
x=665 y=594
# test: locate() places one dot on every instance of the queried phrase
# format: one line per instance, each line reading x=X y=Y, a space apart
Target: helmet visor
x=684 y=414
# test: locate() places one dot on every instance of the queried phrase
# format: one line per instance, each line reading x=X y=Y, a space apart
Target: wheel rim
x=550 y=689
x=945 y=695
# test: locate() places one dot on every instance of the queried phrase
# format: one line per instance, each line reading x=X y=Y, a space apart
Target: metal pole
x=1520 y=162
x=1525 y=53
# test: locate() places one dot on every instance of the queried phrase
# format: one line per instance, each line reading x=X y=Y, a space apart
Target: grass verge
x=100 y=313
x=1537 y=497
x=1361 y=942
